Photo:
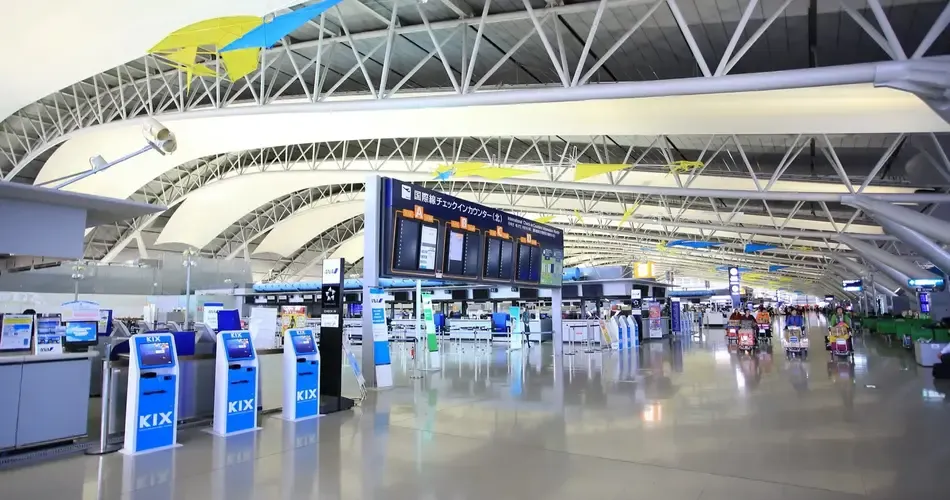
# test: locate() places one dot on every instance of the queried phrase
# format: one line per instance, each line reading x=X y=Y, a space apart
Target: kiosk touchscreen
x=301 y=375
x=235 y=383
x=152 y=398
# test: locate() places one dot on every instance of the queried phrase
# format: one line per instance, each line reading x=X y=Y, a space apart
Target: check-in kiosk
x=152 y=398
x=301 y=375
x=235 y=384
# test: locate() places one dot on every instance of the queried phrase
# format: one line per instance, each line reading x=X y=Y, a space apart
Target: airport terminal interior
x=465 y=249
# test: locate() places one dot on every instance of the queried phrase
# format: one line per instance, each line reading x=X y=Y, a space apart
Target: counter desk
x=44 y=398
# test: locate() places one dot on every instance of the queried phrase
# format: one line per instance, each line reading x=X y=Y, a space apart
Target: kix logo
x=154 y=420
x=243 y=406
x=306 y=395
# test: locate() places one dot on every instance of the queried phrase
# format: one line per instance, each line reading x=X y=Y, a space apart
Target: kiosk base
x=210 y=430
x=130 y=453
x=334 y=404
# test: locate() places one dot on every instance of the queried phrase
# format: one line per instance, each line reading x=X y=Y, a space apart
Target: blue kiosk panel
x=157 y=392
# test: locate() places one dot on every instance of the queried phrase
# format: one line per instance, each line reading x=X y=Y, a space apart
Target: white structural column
x=557 y=336
x=928 y=225
x=884 y=258
x=370 y=274
x=923 y=245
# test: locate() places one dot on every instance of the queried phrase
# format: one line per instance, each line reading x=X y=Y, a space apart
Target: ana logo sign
x=243 y=406
x=154 y=420
x=306 y=395
x=377 y=299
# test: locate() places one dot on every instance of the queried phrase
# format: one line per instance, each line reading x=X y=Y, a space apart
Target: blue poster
x=675 y=309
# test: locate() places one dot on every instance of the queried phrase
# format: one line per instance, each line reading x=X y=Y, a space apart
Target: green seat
x=870 y=324
x=887 y=327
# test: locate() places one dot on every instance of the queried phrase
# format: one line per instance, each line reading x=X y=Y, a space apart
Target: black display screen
x=507 y=265
x=473 y=254
x=524 y=262
x=569 y=291
x=528 y=293
x=459 y=294
x=492 y=258
x=659 y=292
x=589 y=291
x=534 y=275
x=455 y=253
x=481 y=294
x=406 y=252
x=401 y=297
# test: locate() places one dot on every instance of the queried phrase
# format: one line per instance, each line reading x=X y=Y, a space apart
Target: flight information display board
x=429 y=234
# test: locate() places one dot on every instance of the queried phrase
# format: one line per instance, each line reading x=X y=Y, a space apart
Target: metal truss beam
x=148 y=87
x=603 y=203
x=320 y=248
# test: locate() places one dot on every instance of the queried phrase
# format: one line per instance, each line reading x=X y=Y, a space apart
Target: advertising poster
x=675 y=310
x=517 y=328
x=210 y=314
x=429 y=234
x=49 y=335
x=384 y=374
x=432 y=341
x=655 y=321
x=16 y=332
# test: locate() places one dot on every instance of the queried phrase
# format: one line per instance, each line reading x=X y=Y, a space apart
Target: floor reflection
x=689 y=418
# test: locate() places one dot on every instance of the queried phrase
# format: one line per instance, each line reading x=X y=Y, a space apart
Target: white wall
x=123 y=306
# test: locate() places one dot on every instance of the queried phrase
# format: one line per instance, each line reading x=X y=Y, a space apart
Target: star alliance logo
x=331 y=295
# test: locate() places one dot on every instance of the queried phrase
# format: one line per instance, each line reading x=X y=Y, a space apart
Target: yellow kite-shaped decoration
x=544 y=219
x=685 y=166
x=477 y=169
x=585 y=170
x=195 y=48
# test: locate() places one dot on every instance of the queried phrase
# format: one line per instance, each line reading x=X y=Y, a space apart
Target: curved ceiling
x=294 y=232
x=842 y=109
x=56 y=43
x=220 y=204
x=351 y=250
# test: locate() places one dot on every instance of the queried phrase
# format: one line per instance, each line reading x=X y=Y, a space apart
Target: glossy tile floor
x=687 y=420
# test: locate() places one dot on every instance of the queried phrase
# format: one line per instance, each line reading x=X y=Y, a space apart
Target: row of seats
x=915 y=328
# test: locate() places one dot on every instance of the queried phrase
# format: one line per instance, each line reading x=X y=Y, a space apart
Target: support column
x=371 y=245
x=887 y=259
x=928 y=248
x=557 y=335
x=930 y=226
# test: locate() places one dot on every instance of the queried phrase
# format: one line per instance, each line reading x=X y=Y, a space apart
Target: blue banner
x=675 y=309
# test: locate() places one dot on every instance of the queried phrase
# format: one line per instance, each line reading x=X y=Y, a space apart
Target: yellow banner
x=585 y=170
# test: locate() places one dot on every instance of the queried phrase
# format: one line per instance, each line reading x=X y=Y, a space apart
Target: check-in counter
x=196 y=386
x=579 y=330
x=44 y=399
x=469 y=329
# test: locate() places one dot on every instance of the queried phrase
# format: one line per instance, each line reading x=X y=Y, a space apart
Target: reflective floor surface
x=683 y=420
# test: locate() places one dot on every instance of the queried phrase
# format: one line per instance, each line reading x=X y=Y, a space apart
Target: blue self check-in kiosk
x=301 y=375
x=151 y=411
x=235 y=383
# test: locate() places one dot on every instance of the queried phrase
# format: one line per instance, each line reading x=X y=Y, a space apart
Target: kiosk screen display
x=303 y=344
x=155 y=354
x=82 y=331
x=506 y=269
x=407 y=245
x=238 y=349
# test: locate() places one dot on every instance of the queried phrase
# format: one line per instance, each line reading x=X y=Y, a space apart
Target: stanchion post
x=103 y=447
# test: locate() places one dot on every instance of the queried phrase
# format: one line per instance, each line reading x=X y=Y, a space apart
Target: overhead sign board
x=852 y=285
x=735 y=286
x=429 y=234
x=926 y=283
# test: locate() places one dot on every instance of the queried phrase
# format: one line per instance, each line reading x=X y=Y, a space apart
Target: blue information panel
x=429 y=234
x=155 y=354
x=239 y=348
x=242 y=382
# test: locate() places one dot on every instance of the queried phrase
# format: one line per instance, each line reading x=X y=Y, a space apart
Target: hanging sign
x=16 y=331
x=80 y=310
